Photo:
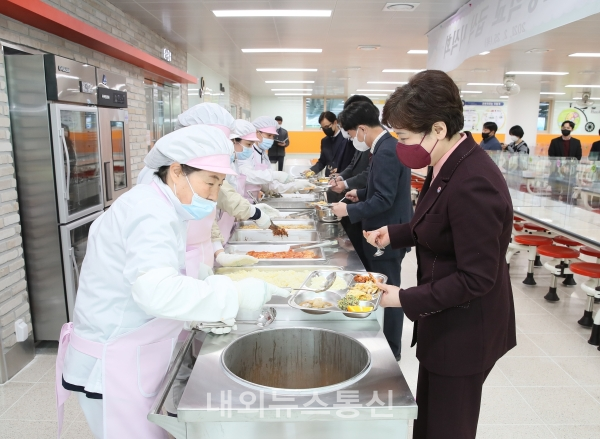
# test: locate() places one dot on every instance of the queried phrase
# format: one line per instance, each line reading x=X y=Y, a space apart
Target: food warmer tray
x=333 y=296
x=294 y=236
x=283 y=223
x=242 y=249
x=280 y=267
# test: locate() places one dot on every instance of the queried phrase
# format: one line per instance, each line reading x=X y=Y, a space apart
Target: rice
x=282 y=279
x=319 y=282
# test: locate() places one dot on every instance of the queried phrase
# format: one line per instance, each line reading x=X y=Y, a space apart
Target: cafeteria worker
x=462 y=308
x=133 y=297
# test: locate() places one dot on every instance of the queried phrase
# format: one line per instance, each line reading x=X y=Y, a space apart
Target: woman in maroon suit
x=463 y=305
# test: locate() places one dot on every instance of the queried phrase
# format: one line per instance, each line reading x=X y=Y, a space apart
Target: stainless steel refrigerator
x=55 y=132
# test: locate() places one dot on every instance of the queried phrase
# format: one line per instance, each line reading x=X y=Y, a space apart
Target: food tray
x=283 y=223
x=333 y=296
x=294 y=236
x=242 y=249
x=302 y=197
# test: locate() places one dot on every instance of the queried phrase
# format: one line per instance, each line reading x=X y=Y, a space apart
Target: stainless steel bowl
x=299 y=361
x=327 y=296
x=326 y=215
x=361 y=315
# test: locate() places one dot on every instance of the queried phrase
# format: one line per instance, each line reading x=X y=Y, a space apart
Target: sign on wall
x=585 y=117
x=477 y=113
x=484 y=25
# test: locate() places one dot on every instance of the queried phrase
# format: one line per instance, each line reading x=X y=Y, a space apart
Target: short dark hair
x=356 y=98
x=327 y=115
x=570 y=122
x=163 y=171
x=517 y=131
x=491 y=126
x=278 y=119
x=359 y=113
x=430 y=96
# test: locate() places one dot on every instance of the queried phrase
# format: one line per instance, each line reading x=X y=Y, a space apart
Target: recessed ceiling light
x=503 y=97
x=485 y=53
x=586 y=55
x=591 y=98
x=550 y=93
x=480 y=70
x=289 y=82
x=286 y=70
x=291 y=89
x=278 y=50
x=400 y=7
x=417 y=52
x=373 y=94
x=582 y=86
x=402 y=70
x=387 y=91
x=538 y=50
x=484 y=83
x=368 y=47
x=388 y=82
x=272 y=13
x=537 y=73
x=293 y=94
x=471 y=91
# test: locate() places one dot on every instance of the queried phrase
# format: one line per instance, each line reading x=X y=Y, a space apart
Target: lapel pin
x=439 y=190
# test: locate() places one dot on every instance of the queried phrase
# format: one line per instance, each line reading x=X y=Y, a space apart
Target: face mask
x=266 y=144
x=514 y=138
x=414 y=156
x=361 y=146
x=329 y=132
x=566 y=133
x=345 y=134
x=245 y=154
x=199 y=207
x=485 y=135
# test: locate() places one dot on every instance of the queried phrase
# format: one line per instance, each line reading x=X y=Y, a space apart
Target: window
x=315 y=106
x=544 y=117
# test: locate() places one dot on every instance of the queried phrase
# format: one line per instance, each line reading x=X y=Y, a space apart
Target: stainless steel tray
x=279 y=267
x=242 y=249
x=294 y=236
x=300 y=296
x=281 y=222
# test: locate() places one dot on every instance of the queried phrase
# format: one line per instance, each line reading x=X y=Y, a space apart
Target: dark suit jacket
x=336 y=152
x=276 y=150
x=386 y=198
x=595 y=149
x=556 y=148
x=355 y=175
x=463 y=305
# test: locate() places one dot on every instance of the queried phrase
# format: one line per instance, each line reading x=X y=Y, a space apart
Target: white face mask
x=361 y=146
x=514 y=138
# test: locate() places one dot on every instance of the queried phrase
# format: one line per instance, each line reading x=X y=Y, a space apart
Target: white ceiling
x=217 y=42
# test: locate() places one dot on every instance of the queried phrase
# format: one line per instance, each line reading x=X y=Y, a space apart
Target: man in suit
x=336 y=151
x=595 y=151
x=282 y=141
x=565 y=146
x=384 y=200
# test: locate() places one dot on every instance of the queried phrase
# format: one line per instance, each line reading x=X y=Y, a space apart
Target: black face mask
x=485 y=135
x=329 y=132
x=566 y=133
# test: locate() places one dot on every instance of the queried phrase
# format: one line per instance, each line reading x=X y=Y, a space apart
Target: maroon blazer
x=463 y=305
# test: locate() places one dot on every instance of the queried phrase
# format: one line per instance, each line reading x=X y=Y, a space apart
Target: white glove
x=228 y=260
x=282 y=177
x=264 y=221
x=290 y=178
x=254 y=293
x=271 y=211
x=228 y=326
x=205 y=271
x=299 y=185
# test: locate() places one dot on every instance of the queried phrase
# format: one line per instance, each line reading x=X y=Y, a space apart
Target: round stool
x=529 y=243
x=534 y=229
x=563 y=240
x=518 y=219
x=589 y=251
x=558 y=265
x=592 y=288
x=518 y=227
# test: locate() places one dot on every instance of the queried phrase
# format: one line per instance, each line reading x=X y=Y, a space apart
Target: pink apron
x=199 y=249
x=226 y=221
x=255 y=188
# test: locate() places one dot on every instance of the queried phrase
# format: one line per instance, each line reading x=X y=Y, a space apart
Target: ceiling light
x=417 y=52
x=503 y=97
x=480 y=70
x=591 y=98
x=286 y=70
x=293 y=94
x=550 y=93
x=289 y=82
x=368 y=47
x=400 y=7
x=538 y=50
x=582 y=86
x=291 y=89
x=351 y=68
x=373 y=94
x=586 y=55
x=484 y=83
x=273 y=13
x=387 y=91
x=471 y=91
x=388 y=82
x=485 y=53
x=402 y=70
x=537 y=73
x=278 y=50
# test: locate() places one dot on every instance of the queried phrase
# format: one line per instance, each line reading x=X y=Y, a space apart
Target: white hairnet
x=266 y=124
x=244 y=130
x=206 y=113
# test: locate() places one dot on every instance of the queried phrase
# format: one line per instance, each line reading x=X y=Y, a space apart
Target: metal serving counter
x=317 y=376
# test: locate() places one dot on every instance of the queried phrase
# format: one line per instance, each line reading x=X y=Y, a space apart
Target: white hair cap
x=244 y=130
x=199 y=146
x=266 y=124
x=207 y=113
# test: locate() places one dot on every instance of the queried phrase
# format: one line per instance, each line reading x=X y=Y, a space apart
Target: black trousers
x=279 y=161
x=354 y=232
x=393 y=319
x=448 y=406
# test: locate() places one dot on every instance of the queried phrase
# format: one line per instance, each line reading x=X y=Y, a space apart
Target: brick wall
x=105 y=16
x=238 y=97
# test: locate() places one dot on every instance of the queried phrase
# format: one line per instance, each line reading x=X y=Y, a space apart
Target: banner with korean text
x=484 y=25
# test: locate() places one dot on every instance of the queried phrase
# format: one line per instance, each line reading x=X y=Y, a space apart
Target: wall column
x=523 y=110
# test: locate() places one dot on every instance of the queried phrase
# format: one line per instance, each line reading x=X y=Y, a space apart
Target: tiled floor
x=547 y=387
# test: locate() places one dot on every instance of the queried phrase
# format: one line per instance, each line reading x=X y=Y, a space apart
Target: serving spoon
x=329 y=280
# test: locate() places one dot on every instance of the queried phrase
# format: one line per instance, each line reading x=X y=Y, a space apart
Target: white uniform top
x=132 y=273
x=261 y=176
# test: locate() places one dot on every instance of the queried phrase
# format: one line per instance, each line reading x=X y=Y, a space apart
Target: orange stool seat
x=532 y=240
x=518 y=227
x=590 y=251
x=534 y=227
x=556 y=251
x=566 y=241
x=586 y=269
x=518 y=219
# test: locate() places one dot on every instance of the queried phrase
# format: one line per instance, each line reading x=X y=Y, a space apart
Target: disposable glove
x=271 y=211
x=205 y=271
x=254 y=293
x=282 y=177
x=228 y=260
x=264 y=221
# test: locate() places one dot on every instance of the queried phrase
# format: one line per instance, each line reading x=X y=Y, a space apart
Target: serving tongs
x=280 y=230
x=302 y=247
x=266 y=317
x=308 y=213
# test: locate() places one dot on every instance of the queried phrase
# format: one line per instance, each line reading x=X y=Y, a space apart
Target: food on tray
x=287 y=227
x=318 y=203
x=278 y=231
x=280 y=278
x=316 y=303
x=323 y=180
x=347 y=301
x=309 y=173
x=360 y=308
x=289 y=254
x=364 y=278
x=364 y=291
x=319 y=282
